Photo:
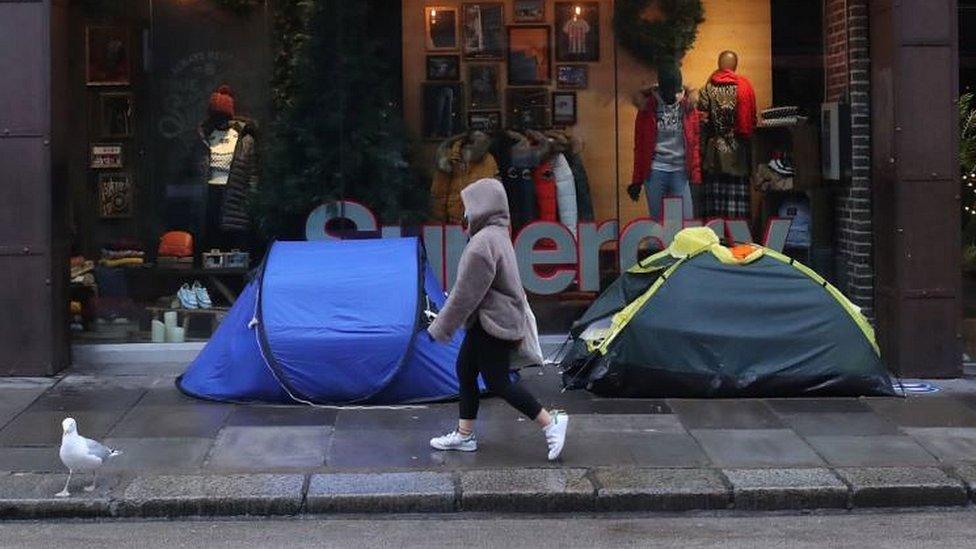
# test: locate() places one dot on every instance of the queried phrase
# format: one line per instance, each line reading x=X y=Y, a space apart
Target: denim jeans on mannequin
x=661 y=184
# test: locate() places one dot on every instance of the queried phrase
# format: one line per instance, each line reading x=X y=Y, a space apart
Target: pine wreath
x=652 y=41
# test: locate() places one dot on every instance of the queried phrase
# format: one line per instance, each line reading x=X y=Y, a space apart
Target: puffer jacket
x=545 y=191
x=488 y=288
x=645 y=138
x=461 y=160
x=242 y=179
x=565 y=193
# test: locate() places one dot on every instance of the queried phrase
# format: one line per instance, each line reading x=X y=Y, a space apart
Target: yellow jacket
x=460 y=162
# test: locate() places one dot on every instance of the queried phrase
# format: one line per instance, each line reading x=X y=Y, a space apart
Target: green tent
x=703 y=320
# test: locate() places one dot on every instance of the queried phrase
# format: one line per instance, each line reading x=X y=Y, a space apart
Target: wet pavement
x=138 y=409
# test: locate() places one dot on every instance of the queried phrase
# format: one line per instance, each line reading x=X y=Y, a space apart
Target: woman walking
x=489 y=300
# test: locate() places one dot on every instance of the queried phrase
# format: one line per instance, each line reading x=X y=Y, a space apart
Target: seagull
x=81 y=454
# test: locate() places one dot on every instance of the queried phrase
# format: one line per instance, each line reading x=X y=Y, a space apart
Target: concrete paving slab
x=31 y=496
x=902 y=487
x=43 y=428
x=433 y=419
x=594 y=405
x=725 y=414
x=644 y=489
x=159 y=455
x=198 y=420
x=744 y=448
x=817 y=405
x=270 y=448
x=74 y=399
x=527 y=490
x=281 y=415
x=212 y=495
x=871 y=451
x=774 y=489
x=925 y=411
x=408 y=492
x=396 y=449
x=950 y=445
x=38 y=459
x=626 y=423
x=838 y=423
x=15 y=400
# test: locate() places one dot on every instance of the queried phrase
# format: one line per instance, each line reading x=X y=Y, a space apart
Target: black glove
x=634 y=190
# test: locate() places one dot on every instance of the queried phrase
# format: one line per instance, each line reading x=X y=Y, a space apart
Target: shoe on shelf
x=556 y=434
x=455 y=441
x=187 y=297
x=203 y=297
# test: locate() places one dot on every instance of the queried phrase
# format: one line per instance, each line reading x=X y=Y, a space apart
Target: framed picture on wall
x=105 y=156
x=578 y=31
x=441 y=24
x=114 y=195
x=483 y=31
x=572 y=77
x=529 y=56
x=107 y=57
x=563 y=108
x=528 y=108
x=443 y=67
x=529 y=11
x=115 y=114
x=443 y=109
x=483 y=86
x=486 y=121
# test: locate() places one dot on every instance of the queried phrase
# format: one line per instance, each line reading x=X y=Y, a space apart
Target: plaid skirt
x=727 y=197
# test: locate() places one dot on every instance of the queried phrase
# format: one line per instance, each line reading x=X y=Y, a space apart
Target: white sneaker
x=187 y=297
x=556 y=434
x=203 y=297
x=454 y=441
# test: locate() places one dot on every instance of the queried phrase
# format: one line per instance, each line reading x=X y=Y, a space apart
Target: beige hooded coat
x=488 y=286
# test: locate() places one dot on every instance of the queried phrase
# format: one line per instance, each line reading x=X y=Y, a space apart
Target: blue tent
x=331 y=323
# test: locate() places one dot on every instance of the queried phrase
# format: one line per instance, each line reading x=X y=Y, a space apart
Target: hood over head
x=485 y=203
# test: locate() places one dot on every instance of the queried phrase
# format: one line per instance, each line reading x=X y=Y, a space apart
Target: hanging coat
x=584 y=201
x=545 y=192
x=565 y=192
x=460 y=161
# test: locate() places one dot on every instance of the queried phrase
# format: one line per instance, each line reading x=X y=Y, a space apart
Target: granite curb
x=514 y=490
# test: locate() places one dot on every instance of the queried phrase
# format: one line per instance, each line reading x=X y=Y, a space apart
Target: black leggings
x=485 y=354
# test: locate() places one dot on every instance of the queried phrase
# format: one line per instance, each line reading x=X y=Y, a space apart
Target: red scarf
x=745 y=100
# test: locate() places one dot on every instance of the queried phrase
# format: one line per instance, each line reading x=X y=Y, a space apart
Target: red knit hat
x=222 y=101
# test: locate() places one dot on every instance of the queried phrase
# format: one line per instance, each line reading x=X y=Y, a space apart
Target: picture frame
x=529 y=11
x=577 y=32
x=115 y=114
x=106 y=156
x=528 y=108
x=108 y=56
x=529 y=56
x=484 y=90
x=114 y=195
x=441 y=26
x=483 y=31
x=443 y=109
x=443 y=68
x=572 y=77
x=564 y=108
x=486 y=121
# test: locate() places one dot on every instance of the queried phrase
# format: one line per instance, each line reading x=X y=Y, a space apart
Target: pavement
x=185 y=457
x=945 y=529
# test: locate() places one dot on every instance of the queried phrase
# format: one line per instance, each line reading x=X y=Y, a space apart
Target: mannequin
x=666 y=144
x=728 y=107
x=228 y=158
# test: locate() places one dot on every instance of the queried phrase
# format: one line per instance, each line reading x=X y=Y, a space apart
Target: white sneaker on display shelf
x=455 y=441
x=187 y=297
x=203 y=297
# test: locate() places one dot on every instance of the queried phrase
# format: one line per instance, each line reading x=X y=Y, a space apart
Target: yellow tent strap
x=648 y=264
x=855 y=314
x=621 y=319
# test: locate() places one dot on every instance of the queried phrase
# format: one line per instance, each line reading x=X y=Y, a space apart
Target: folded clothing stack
x=81 y=271
x=774 y=117
x=776 y=175
x=124 y=252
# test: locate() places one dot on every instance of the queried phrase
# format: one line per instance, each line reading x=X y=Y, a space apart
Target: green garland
x=652 y=42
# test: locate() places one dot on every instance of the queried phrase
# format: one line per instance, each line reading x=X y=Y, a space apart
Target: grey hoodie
x=488 y=283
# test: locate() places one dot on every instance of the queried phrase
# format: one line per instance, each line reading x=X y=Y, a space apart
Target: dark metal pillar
x=32 y=286
x=914 y=82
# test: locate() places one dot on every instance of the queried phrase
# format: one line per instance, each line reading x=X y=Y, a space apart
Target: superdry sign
x=565 y=258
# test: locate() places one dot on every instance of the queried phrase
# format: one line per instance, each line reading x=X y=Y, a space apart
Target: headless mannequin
x=215 y=129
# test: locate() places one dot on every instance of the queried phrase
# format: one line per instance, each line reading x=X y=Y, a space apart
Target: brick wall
x=847 y=66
